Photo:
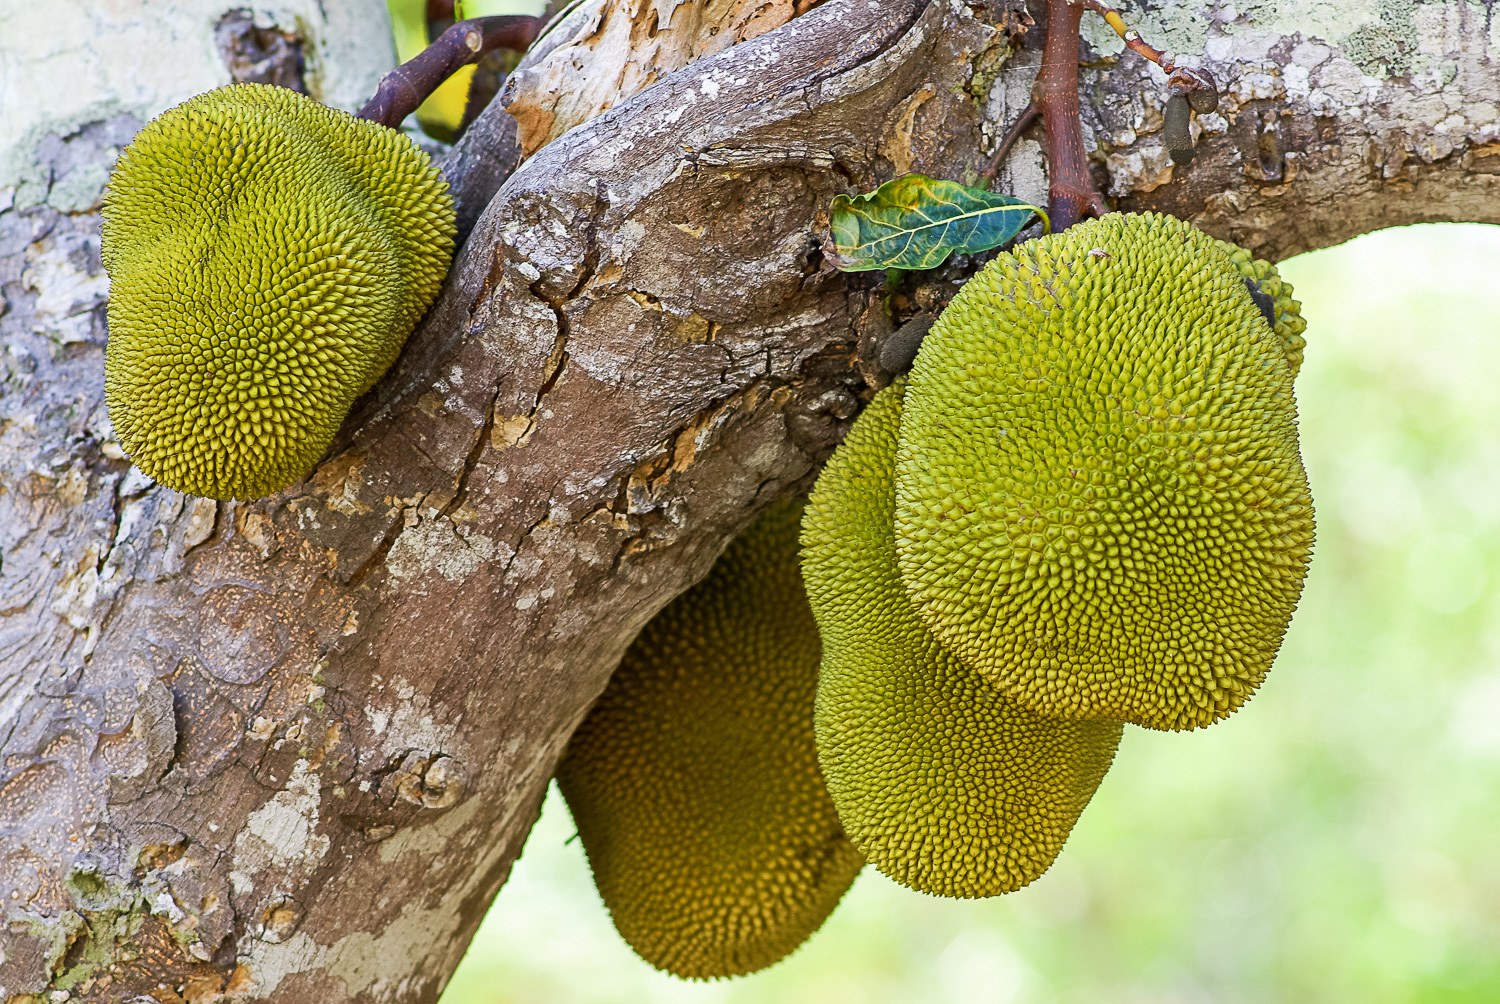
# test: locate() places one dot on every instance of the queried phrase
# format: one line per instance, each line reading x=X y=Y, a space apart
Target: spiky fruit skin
x=694 y=783
x=268 y=257
x=1100 y=505
x=1287 y=321
x=946 y=785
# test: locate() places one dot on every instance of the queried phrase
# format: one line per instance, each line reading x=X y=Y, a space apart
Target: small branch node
x=1183 y=80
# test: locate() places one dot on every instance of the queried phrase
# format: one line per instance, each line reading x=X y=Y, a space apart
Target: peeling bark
x=288 y=750
x=612 y=49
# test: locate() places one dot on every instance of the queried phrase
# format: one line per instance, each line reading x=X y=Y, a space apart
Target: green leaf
x=917 y=222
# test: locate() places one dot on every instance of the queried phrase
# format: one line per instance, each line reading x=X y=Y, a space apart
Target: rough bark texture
x=613 y=49
x=288 y=750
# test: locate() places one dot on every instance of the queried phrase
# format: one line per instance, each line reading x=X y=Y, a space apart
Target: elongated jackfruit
x=1100 y=505
x=945 y=784
x=694 y=782
x=267 y=258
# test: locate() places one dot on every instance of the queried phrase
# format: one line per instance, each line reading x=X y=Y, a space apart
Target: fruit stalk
x=1071 y=195
x=408 y=85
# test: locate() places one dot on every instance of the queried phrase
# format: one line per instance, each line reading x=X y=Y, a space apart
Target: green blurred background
x=1337 y=840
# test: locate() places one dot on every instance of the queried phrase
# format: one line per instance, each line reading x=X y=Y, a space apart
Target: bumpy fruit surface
x=1286 y=313
x=267 y=258
x=694 y=783
x=1100 y=505
x=946 y=785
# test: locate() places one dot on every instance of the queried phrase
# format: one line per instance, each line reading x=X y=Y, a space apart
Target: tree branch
x=1023 y=121
x=1184 y=80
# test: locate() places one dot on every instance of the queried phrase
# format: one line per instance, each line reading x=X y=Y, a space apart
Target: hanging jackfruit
x=267 y=256
x=694 y=783
x=945 y=784
x=1274 y=296
x=1100 y=505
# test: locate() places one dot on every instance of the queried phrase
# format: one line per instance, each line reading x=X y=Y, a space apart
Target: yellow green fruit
x=1286 y=312
x=694 y=782
x=1100 y=505
x=946 y=785
x=267 y=256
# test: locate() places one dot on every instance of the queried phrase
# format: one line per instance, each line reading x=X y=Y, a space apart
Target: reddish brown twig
x=408 y=85
x=1071 y=194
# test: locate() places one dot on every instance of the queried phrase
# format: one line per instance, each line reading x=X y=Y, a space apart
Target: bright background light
x=1336 y=840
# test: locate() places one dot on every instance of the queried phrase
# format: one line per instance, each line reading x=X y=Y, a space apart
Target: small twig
x=1028 y=116
x=1196 y=84
x=408 y=85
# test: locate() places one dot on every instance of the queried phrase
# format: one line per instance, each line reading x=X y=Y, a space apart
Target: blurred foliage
x=1335 y=841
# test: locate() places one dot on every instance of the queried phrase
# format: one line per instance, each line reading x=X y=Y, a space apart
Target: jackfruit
x=267 y=256
x=945 y=784
x=694 y=783
x=1100 y=504
x=1285 y=313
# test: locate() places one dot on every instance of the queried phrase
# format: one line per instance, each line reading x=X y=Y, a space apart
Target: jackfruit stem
x=1071 y=195
x=408 y=85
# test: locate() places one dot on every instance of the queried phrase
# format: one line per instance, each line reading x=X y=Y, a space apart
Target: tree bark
x=288 y=750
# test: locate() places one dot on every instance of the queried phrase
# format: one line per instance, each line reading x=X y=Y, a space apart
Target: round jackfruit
x=694 y=782
x=267 y=256
x=1100 y=505
x=946 y=785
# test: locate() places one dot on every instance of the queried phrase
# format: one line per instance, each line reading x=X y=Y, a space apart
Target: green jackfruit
x=1100 y=505
x=946 y=785
x=694 y=783
x=267 y=258
x=1286 y=313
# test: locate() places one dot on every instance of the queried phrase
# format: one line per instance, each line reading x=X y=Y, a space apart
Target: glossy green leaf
x=917 y=222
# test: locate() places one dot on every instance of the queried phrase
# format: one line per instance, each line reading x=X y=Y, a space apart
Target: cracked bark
x=288 y=750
